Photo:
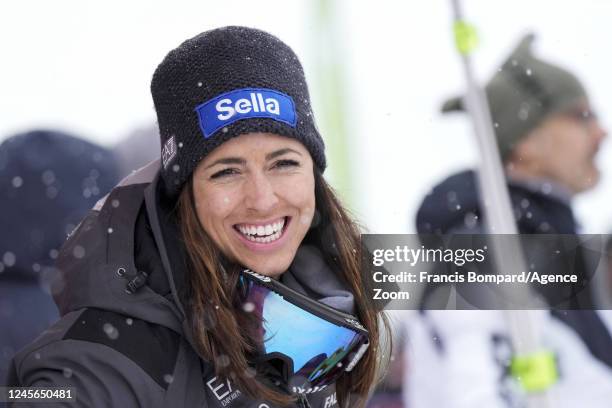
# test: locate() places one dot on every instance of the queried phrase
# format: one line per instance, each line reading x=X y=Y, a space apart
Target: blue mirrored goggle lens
x=315 y=346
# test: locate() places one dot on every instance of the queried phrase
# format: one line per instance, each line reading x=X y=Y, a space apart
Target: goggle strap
x=357 y=356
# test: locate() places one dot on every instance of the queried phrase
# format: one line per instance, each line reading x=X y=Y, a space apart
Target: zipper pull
x=138 y=281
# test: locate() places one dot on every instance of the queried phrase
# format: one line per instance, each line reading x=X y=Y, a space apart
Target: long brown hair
x=217 y=321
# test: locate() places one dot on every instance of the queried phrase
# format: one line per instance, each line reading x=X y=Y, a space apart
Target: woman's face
x=255 y=198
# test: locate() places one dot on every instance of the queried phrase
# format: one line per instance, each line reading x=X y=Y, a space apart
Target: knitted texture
x=213 y=63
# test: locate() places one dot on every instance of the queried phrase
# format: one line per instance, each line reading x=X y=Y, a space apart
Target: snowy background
x=85 y=67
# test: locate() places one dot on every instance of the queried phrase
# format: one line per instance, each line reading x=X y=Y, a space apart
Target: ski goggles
x=314 y=342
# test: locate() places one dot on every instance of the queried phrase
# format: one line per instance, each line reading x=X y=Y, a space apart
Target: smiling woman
x=255 y=198
x=228 y=274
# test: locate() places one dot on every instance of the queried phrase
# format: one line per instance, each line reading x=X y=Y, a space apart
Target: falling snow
x=67 y=372
x=17 y=181
x=222 y=360
x=48 y=177
x=523 y=113
x=78 y=252
x=51 y=192
x=470 y=220
x=524 y=203
x=111 y=331
x=250 y=372
x=9 y=259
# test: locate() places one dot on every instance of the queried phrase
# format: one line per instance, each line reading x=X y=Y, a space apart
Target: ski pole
x=532 y=366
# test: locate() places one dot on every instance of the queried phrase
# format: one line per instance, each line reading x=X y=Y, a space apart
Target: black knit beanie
x=224 y=83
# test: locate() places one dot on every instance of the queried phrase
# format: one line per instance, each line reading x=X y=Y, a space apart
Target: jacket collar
x=97 y=261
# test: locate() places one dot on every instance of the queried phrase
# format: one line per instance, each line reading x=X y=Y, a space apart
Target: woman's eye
x=224 y=173
x=286 y=163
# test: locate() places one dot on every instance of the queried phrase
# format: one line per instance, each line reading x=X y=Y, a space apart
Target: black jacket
x=122 y=349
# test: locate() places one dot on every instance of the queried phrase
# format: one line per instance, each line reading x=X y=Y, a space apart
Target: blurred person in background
x=548 y=136
x=48 y=182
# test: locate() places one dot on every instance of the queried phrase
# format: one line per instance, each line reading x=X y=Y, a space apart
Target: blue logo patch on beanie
x=245 y=103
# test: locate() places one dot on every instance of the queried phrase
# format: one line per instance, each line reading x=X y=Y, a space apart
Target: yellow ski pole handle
x=466 y=38
x=535 y=372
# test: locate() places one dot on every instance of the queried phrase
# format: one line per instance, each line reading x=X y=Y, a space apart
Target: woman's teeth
x=262 y=233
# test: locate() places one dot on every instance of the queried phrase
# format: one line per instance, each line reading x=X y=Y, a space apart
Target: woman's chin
x=269 y=269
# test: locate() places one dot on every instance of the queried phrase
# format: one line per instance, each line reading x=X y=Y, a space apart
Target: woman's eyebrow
x=280 y=152
x=228 y=160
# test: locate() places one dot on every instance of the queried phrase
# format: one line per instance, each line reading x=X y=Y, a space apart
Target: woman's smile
x=262 y=233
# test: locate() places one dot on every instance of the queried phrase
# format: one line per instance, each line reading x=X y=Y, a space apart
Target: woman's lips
x=263 y=236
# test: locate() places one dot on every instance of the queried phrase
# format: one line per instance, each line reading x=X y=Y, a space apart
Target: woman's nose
x=260 y=194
